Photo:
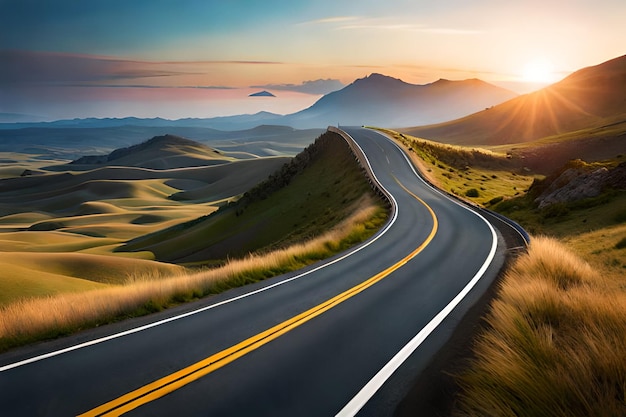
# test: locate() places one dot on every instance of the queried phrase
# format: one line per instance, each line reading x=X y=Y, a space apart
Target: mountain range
x=374 y=100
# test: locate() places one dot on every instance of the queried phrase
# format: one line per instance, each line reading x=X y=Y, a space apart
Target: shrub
x=621 y=244
x=472 y=192
x=496 y=200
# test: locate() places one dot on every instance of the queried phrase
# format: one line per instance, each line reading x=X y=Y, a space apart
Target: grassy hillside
x=505 y=184
x=314 y=192
x=474 y=174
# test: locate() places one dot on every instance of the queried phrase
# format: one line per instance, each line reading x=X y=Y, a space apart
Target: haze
x=68 y=59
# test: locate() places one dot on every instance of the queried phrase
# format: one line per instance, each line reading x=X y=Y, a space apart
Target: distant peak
x=379 y=79
x=378 y=76
x=263 y=93
x=468 y=81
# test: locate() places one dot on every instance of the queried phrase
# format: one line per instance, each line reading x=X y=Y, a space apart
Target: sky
x=203 y=58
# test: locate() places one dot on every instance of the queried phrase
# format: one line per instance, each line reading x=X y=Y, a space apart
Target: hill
x=319 y=188
x=593 y=97
x=160 y=152
x=386 y=101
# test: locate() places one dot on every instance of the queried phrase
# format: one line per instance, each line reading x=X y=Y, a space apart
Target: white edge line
x=368 y=391
x=230 y=300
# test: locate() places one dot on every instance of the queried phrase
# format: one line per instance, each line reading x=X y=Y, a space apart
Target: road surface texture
x=343 y=337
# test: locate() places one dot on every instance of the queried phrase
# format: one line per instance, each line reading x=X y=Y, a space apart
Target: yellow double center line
x=172 y=382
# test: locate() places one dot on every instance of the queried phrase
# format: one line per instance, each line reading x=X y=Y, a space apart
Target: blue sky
x=238 y=44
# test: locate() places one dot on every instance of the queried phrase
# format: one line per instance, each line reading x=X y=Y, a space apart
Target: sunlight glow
x=539 y=71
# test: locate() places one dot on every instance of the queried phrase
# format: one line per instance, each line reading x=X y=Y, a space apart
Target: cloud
x=386 y=24
x=20 y=67
x=316 y=87
x=47 y=68
x=450 y=31
x=334 y=19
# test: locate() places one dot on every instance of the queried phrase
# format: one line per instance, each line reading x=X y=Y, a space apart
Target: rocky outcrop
x=580 y=181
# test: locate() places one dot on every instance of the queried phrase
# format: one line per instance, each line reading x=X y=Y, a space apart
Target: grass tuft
x=554 y=342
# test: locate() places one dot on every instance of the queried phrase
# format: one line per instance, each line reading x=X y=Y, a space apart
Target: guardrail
x=511 y=223
x=365 y=165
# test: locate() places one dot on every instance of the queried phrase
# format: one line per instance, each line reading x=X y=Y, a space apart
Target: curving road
x=341 y=338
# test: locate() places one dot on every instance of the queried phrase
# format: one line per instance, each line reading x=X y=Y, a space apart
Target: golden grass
x=599 y=247
x=555 y=341
x=29 y=320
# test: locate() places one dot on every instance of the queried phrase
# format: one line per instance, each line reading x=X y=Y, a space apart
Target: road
x=341 y=338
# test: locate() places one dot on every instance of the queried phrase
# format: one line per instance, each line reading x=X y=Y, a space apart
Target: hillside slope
x=592 y=97
x=318 y=189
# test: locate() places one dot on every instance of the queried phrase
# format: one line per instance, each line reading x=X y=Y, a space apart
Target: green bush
x=472 y=192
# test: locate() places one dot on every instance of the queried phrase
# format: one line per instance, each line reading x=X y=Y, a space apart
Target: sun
x=539 y=71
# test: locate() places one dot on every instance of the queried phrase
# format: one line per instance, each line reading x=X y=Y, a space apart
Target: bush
x=621 y=244
x=496 y=200
x=472 y=192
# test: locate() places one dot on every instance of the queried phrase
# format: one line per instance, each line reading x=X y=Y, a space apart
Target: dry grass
x=479 y=175
x=554 y=344
x=38 y=319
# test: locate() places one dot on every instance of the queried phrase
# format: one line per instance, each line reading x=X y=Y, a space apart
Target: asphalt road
x=393 y=302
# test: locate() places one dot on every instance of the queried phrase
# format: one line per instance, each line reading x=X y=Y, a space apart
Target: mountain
x=593 y=97
x=263 y=93
x=385 y=101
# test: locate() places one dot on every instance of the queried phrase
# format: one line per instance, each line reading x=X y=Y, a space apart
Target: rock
x=617 y=177
x=574 y=184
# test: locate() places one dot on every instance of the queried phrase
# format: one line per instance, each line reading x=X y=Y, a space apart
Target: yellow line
x=172 y=382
